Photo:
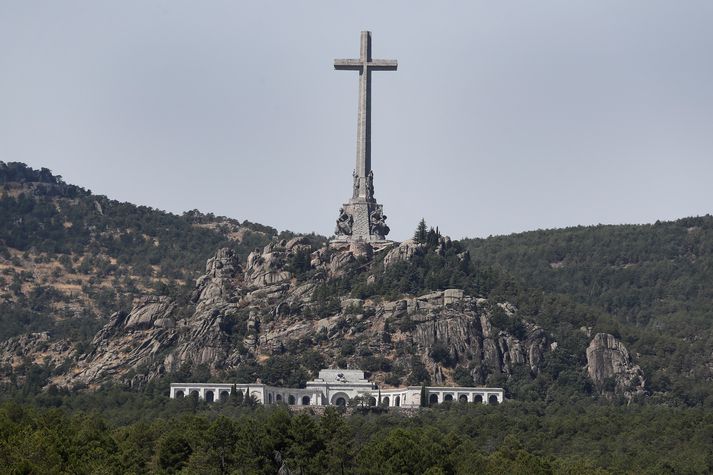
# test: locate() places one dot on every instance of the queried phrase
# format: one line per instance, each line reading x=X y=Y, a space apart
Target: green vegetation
x=55 y=218
x=69 y=258
x=649 y=285
x=54 y=234
x=55 y=432
x=439 y=264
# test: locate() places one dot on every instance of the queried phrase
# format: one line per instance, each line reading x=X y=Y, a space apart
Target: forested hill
x=654 y=280
x=69 y=258
x=538 y=302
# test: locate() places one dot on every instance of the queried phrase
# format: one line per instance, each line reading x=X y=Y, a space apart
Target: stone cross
x=362 y=218
x=365 y=65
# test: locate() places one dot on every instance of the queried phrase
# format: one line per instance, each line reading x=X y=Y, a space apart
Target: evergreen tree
x=421 y=233
x=424 y=399
x=236 y=397
x=432 y=238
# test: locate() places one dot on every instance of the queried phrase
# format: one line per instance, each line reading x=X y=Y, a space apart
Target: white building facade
x=336 y=387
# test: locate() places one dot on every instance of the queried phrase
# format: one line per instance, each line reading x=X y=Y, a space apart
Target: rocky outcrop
x=267 y=266
x=202 y=339
x=260 y=310
x=34 y=348
x=128 y=342
x=151 y=339
x=403 y=252
x=611 y=369
x=470 y=338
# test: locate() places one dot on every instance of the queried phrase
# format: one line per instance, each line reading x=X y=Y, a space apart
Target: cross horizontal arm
x=348 y=64
x=383 y=64
x=374 y=64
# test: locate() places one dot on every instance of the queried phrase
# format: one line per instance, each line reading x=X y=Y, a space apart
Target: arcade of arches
x=337 y=387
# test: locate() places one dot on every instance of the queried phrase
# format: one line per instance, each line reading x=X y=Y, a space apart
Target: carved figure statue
x=370 y=185
x=356 y=184
x=344 y=223
x=378 y=223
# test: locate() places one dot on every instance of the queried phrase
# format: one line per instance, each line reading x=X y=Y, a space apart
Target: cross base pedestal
x=361 y=220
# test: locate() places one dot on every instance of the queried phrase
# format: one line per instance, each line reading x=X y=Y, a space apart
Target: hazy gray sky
x=503 y=116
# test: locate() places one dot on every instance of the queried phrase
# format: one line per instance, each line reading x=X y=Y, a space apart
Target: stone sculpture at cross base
x=362 y=218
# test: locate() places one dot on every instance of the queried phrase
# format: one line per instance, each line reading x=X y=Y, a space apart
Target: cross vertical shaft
x=363 y=146
x=365 y=65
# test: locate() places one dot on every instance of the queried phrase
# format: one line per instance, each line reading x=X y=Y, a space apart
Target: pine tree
x=421 y=233
x=236 y=397
x=432 y=238
x=424 y=399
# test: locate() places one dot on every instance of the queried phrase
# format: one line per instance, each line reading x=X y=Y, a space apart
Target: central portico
x=362 y=218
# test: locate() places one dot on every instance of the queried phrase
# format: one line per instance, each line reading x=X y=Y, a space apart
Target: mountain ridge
x=531 y=273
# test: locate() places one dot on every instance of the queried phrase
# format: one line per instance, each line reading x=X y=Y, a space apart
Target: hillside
x=69 y=258
x=96 y=291
x=600 y=336
x=652 y=282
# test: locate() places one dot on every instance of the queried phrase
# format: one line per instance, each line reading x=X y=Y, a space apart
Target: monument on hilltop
x=362 y=218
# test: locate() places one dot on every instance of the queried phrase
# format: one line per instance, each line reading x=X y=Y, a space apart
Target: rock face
x=266 y=267
x=469 y=336
x=245 y=314
x=201 y=338
x=611 y=369
x=151 y=340
x=38 y=348
x=403 y=252
x=128 y=341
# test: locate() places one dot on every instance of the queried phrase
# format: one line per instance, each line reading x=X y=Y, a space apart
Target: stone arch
x=224 y=395
x=340 y=399
x=372 y=401
x=478 y=398
x=493 y=399
x=305 y=400
x=448 y=398
x=463 y=398
x=278 y=398
x=397 y=401
x=179 y=394
x=385 y=401
x=291 y=400
x=195 y=393
x=209 y=396
x=433 y=399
